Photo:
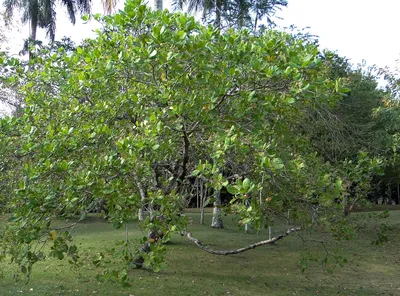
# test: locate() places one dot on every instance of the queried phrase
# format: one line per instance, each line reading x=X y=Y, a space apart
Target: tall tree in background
x=233 y=13
x=42 y=13
x=109 y=5
x=341 y=131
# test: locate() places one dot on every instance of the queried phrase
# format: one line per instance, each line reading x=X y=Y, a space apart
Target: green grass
x=269 y=270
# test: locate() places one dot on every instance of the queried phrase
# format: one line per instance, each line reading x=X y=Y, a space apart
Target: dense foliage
x=131 y=119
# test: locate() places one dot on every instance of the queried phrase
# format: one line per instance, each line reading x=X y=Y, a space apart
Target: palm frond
x=198 y=5
x=47 y=18
x=178 y=4
x=85 y=6
x=109 y=6
x=25 y=16
x=71 y=9
x=9 y=12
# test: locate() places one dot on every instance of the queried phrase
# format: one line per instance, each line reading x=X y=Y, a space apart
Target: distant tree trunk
x=158 y=5
x=218 y=10
x=34 y=24
x=32 y=33
x=390 y=195
x=202 y=215
x=203 y=196
x=216 y=219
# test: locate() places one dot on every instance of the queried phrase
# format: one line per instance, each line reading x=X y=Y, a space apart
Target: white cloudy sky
x=359 y=29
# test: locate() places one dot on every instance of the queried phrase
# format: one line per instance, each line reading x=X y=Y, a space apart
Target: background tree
x=234 y=13
x=42 y=13
x=342 y=130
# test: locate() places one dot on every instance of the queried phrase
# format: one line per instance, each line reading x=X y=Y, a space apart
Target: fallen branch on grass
x=240 y=250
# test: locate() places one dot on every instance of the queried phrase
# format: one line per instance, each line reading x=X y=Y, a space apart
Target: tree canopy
x=134 y=116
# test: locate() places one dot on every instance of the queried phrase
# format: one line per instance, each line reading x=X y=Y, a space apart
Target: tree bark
x=152 y=238
x=218 y=10
x=142 y=191
x=203 y=196
x=34 y=23
x=216 y=219
x=240 y=250
x=33 y=29
x=145 y=248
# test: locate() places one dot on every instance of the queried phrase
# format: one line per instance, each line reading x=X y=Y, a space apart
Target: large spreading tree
x=155 y=102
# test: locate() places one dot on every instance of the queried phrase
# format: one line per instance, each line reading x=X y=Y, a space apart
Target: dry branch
x=240 y=250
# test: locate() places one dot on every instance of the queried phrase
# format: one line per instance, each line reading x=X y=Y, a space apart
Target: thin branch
x=240 y=250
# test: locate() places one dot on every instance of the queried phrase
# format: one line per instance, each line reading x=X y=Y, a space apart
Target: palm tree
x=42 y=13
x=234 y=13
x=109 y=5
x=206 y=6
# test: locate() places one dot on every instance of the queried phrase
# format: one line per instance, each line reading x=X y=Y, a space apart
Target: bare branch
x=240 y=250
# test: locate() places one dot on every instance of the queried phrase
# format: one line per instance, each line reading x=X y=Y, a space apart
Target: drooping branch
x=240 y=250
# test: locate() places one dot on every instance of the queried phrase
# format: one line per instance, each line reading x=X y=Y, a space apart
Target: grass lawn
x=268 y=270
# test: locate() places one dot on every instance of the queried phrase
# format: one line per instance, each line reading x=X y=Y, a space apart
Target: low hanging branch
x=240 y=250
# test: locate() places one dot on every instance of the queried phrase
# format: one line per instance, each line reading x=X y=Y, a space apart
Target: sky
x=358 y=29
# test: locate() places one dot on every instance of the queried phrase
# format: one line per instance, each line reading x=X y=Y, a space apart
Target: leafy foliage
x=156 y=101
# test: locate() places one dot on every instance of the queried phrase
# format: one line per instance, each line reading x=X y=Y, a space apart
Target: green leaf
x=277 y=163
x=246 y=184
x=153 y=53
x=232 y=189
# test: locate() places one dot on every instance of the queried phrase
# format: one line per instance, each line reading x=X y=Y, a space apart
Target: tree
x=234 y=13
x=9 y=99
x=42 y=14
x=342 y=130
x=155 y=102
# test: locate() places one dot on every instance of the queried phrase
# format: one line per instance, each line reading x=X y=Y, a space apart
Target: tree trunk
x=139 y=260
x=152 y=238
x=218 y=10
x=142 y=191
x=158 y=5
x=216 y=219
x=32 y=33
x=34 y=23
x=203 y=196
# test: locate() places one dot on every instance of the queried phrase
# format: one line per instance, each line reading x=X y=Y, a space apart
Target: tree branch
x=185 y=159
x=240 y=250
